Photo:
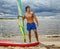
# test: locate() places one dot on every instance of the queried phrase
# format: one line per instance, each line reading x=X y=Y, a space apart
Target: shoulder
x=25 y=14
x=32 y=12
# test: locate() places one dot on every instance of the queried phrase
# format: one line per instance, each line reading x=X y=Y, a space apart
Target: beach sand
x=46 y=42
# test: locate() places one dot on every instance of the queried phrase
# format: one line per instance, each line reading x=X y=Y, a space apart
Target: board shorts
x=31 y=26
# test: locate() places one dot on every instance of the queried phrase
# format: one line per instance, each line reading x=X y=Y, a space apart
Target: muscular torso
x=29 y=17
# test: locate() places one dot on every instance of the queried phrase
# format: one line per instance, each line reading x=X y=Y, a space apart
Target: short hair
x=27 y=7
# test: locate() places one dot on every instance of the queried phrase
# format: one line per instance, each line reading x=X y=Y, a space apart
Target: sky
x=42 y=8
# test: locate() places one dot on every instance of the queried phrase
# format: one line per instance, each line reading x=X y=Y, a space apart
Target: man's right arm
x=23 y=17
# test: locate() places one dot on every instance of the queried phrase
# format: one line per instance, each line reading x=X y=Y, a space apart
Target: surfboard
x=14 y=44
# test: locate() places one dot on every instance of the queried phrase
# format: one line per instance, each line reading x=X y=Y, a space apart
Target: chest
x=29 y=16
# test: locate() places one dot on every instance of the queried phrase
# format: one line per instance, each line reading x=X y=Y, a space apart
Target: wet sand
x=46 y=42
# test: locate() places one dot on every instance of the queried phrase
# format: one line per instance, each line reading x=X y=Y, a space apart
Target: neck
x=28 y=12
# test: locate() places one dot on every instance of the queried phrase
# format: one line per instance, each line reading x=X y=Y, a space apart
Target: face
x=28 y=9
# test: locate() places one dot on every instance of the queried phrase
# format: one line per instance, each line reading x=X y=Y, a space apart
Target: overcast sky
x=39 y=7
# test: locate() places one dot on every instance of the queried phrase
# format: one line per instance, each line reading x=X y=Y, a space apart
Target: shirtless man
x=30 y=17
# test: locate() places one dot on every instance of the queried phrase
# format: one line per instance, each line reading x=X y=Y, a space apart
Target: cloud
x=2 y=15
x=8 y=7
x=46 y=14
x=43 y=5
x=40 y=7
x=55 y=4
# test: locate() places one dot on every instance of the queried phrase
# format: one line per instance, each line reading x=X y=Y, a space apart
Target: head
x=27 y=8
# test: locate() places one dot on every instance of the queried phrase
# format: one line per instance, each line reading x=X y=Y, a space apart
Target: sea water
x=47 y=25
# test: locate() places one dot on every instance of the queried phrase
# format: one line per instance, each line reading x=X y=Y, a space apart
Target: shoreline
x=8 y=18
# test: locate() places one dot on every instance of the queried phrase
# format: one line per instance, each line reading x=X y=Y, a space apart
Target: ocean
x=47 y=26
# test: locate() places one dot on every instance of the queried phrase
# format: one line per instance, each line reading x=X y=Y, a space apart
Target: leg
x=36 y=35
x=29 y=34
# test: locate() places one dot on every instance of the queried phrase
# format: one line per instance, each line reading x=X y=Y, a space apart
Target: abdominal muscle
x=30 y=20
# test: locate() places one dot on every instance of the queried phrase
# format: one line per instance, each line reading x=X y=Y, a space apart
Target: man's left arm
x=35 y=19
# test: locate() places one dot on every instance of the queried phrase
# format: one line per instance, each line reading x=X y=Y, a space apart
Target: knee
x=29 y=31
x=35 y=30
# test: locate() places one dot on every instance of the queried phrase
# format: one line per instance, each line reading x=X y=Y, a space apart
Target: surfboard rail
x=14 y=44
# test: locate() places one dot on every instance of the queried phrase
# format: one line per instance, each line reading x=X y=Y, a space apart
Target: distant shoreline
x=8 y=18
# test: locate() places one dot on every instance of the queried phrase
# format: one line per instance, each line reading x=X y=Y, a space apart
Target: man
x=30 y=17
